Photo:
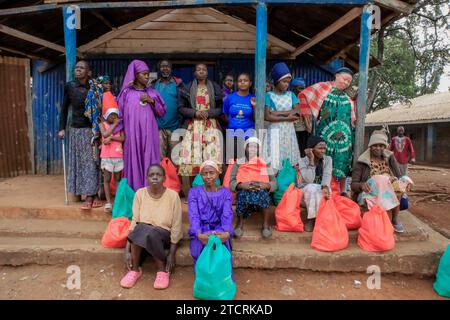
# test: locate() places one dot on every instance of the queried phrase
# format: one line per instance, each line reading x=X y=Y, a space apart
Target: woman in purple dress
x=139 y=106
x=209 y=210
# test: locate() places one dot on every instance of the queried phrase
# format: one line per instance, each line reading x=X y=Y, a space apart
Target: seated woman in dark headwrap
x=315 y=169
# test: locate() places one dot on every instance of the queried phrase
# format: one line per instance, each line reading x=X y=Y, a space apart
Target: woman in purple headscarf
x=139 y=106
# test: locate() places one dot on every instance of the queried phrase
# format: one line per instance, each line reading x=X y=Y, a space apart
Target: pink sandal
x=162 y=280
x=130 y=279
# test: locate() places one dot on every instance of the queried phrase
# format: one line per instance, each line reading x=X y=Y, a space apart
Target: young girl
x=108 y=100
x=112 y=152
x=281 y=111
x=238 y=110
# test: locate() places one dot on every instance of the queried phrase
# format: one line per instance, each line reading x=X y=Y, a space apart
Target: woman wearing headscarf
x=281 y=111
x=139 y=106
x=329 y=112
x=210 y=211
x=200 y=103
x=315 y=170
x=252 y=180
x=378 y=180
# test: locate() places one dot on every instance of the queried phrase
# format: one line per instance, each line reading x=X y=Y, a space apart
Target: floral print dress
x=202 y=139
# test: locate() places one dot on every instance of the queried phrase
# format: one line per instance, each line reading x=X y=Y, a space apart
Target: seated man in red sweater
x=403 y=150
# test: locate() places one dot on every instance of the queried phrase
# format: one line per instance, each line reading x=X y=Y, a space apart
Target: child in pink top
x=112 y=152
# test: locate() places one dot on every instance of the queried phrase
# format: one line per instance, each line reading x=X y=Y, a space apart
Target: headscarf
x=102 y=79
x=299 y=81
x=313 y=141
x=344 y=70
x=209 y=163
x=279 y=72
x=109 y=111
x=136 y=66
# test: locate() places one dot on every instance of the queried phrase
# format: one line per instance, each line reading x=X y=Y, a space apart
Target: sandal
x=97 y=203
x=266 y=233
x=162 y=280
x=108 y=207
x=238 y=232
x=130 y=279
x=399 y=228
x=87 y=205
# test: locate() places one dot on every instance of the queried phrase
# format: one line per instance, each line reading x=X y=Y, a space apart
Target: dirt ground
x=430 y=197
x=98 y=282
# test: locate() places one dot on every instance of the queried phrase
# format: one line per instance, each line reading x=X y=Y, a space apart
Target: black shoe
x=309 y=225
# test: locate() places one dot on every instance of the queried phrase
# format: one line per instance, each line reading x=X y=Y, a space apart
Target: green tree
x=413 y=52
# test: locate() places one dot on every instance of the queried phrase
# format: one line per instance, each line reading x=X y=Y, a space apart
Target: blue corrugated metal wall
x=48 y=90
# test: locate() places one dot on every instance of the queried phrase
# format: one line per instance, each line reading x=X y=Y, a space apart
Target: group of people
x=129 y=135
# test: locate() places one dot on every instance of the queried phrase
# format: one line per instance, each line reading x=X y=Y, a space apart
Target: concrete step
x=92 y=229
x=413 y=258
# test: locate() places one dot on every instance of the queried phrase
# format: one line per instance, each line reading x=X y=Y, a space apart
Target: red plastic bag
x=172 y=179
x=330 y=232
x=226 y=179
x=116 y=233
x=376 y=233
x=335 y=186
x=287 y=213
x=349 y=211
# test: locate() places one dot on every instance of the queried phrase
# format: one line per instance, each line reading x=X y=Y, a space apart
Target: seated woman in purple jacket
x=209 y=210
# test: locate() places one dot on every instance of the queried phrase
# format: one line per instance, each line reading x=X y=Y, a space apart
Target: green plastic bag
x=442 y=283
x=198 y=181
x=123 y=204
x=213 y=272
x=285 y=177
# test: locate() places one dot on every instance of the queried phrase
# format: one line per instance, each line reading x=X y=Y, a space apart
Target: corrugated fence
x=15 y=149
x=48 y=89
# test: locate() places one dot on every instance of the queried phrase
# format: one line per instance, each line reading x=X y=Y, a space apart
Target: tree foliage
x=413 y=52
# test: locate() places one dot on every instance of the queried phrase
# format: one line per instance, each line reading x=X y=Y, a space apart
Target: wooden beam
x=123 y=29
x=25 y=54
x=169 y=4
x=396 y=5
x=100 y=17
x=246 y=27
x=351 y=45
x=28 y=37
x=348 y=17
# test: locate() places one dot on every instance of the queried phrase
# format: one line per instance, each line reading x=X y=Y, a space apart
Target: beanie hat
x=313 y=141
x=378 y=137
x=279 y=72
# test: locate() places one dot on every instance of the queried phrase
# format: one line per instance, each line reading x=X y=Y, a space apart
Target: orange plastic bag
x=226 y=179
x=349 y=211
x=376 y=233
x=330 y=233
x=335 y=186
x=116 y=233
x=172 y=179
x=254 y=170
x=287 y=213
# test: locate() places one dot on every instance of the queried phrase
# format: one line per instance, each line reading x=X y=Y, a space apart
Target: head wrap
x=313 y=141
x=109 y=111
x=279 y=72
x=252 y=140
x=102 y=79
x=136 y=66
x=378 y=137
x=299 y=81
x=209 y=163
x=344 y=70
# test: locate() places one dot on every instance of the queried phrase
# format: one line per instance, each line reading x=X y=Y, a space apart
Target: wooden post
x=361 y=106
x=70 y=42
x=260 y=63
x=431 y=135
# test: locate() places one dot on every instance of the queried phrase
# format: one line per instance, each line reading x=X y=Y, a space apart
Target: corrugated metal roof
x=423 y=109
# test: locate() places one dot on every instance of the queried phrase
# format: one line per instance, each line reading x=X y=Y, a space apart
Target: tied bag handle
x=213 y=242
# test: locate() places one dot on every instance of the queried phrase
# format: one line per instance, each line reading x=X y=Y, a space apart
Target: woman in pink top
x=112 y=151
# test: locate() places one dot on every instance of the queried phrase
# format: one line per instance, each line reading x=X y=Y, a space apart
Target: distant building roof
x=424 y=109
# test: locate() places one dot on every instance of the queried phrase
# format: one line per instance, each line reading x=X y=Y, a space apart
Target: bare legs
x=136 y=252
